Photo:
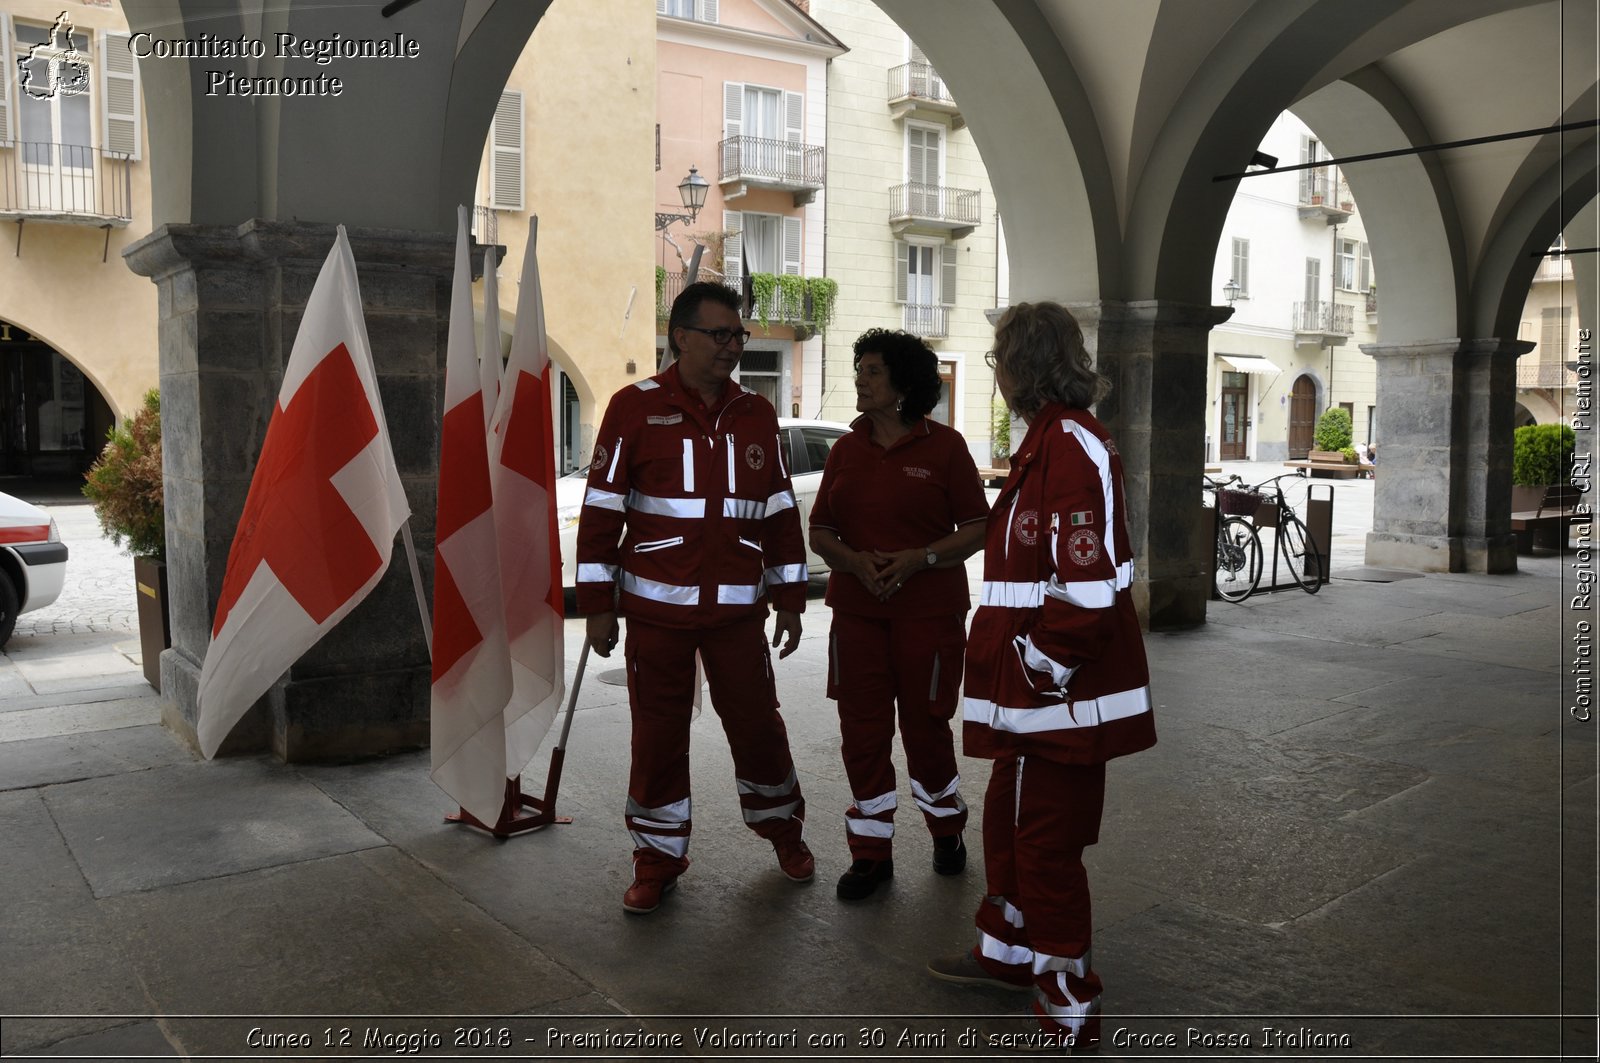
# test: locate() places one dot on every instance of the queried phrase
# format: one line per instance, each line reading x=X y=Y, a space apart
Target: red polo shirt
x=910 y=495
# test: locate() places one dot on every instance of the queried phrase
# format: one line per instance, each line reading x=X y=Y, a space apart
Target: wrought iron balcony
x=928 y=320
x=1323 y=322
x=1545 y=375
x=935 y=207
x=785 y=165
x=917 y=91
x=1324 y=194
x=75 y=184
x=672 y=285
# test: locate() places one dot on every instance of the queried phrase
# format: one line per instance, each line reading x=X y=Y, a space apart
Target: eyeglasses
x=722 y=336
x=989 y=359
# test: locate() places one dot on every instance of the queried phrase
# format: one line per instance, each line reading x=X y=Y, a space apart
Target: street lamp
x=692 y=190
x=1231 y=291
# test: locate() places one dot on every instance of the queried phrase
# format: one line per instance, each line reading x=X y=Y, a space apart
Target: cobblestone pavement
x=99 y=595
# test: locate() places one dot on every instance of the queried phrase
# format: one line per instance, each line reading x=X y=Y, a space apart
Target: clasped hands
x=884 y=572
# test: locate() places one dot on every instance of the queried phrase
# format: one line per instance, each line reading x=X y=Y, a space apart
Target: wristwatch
x=932 y=558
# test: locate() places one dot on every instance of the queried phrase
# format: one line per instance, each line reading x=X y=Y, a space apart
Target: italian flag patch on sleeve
x=1083 y=516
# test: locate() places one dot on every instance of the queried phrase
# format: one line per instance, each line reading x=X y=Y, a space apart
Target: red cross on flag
x=323 y=507
x=522 y=467
x=471 y=662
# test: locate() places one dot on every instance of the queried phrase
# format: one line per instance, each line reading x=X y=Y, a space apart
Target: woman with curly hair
x=1057 y=682
x=899 y=510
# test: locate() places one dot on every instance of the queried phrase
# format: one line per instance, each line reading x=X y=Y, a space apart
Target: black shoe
x=949 y=855
x=862 y=879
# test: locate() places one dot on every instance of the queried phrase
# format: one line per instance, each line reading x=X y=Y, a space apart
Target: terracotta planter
x=155 y=623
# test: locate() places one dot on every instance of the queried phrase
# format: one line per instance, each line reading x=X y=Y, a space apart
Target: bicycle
x=1238 y=556
x=1292 y=539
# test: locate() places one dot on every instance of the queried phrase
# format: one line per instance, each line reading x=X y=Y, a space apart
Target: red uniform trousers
x=661 y=679
x=876 y=666
x=1035 y=923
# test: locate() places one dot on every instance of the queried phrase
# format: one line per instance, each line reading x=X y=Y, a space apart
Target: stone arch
x=1535 y=409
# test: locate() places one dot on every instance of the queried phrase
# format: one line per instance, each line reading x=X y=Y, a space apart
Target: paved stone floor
x=1368 y=830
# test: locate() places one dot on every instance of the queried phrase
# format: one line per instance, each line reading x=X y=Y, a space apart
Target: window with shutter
x=707 y=10
x=733 y=247
x=7 y=133
x=505 y=154
x=1241 y=265
x=794 y=135
x=119 y=100
x=792 y=242
x=947 y=274
x=732 y=126
x=1366 y=266
x=902 y=270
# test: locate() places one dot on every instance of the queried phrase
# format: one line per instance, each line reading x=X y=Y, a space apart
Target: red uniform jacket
x=1055 y=660
x=712 y=530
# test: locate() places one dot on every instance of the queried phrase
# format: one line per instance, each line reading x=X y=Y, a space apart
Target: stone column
x=1443 y=499
x=1155 y=353
x=231 y=299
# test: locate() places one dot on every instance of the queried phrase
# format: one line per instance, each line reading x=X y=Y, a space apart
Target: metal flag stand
x=512 y=820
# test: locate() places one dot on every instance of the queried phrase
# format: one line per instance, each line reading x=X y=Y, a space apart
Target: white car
x=809 y=443
x=33 y=561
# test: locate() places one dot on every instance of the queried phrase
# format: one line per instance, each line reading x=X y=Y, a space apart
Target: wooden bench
x=990 y=476
x=1328 y=463
x=1547 y=526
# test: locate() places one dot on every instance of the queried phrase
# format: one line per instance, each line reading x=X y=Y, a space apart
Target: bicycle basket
x=1239 y=503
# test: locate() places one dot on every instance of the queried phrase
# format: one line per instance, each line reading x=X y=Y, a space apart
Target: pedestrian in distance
x=690 y=509
x=898 y=511
x=1057 y=683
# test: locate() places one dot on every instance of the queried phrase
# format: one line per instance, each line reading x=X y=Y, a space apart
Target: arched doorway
x=54 y=418
x=1302 y=416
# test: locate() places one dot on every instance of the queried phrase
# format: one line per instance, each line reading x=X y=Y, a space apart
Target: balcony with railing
x=917 y=91
x=73 y=184
x=1541 y=374
x=928 y=320
x=794 y=308
x=1553 y=269
x=1322 y=322
x=758 y=162
x=1325 y=195
x=933 y=207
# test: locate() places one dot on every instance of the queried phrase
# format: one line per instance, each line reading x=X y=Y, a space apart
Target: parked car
x=809 y=443
x=33 y=561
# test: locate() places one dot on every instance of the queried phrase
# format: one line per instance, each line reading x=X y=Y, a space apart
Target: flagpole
x=416 y=585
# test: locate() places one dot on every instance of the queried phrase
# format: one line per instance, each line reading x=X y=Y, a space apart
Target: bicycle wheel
x=1294 y=542
x=1238 y=561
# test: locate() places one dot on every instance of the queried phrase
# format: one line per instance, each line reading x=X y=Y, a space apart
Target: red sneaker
x=795 y=859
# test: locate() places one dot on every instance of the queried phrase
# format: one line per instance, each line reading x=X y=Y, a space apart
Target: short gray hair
x=1040 y=348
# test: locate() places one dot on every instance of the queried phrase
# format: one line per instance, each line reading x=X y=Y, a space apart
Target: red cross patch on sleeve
x=1084 y=547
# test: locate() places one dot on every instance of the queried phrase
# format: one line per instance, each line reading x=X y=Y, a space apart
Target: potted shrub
x=1541 y=457
x=1334 y=436
x=125 y=486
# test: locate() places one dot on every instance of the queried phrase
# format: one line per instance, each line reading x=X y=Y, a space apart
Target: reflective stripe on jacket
x=692 y=510
x=1055 y=659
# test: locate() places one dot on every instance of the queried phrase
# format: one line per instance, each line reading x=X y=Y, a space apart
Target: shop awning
x=1248 y=363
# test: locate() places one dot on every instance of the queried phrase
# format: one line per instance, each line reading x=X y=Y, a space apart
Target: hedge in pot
x=125 y=486
x=1541 y=457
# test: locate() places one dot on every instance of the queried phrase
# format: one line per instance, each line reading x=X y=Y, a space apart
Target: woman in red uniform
x=1057 y=682
x=898 y=511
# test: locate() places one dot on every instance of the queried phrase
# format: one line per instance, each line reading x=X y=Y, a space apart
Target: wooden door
x=1233 y=431
x=1302 y=417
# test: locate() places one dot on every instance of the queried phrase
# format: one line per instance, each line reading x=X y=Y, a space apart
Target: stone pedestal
x=1443 y=500
x=231 y=299
x=1156 y=354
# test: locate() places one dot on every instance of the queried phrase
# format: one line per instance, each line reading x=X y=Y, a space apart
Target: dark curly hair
x=913 y=369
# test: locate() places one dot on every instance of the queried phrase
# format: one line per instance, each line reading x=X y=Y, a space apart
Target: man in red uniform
x=689 y=503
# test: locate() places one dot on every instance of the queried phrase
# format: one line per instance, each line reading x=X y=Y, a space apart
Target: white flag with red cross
x=471 y=662
x=522 y=466
x=319 y=521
